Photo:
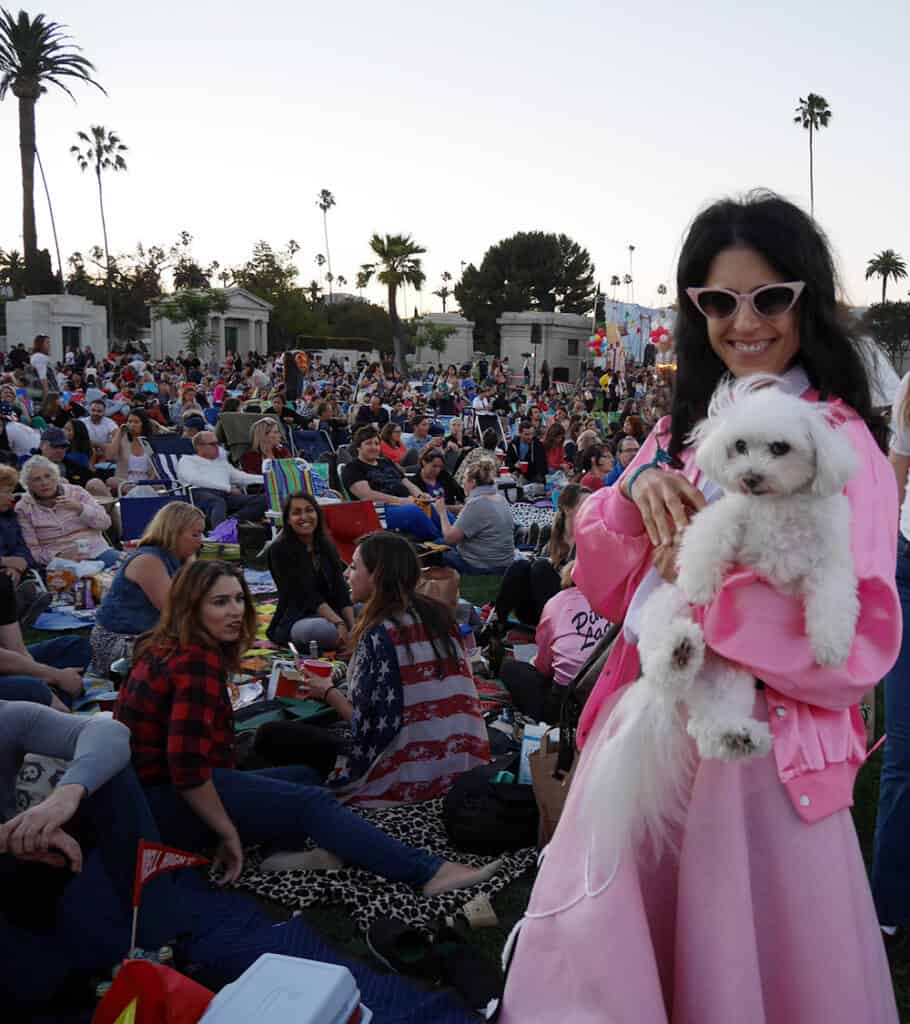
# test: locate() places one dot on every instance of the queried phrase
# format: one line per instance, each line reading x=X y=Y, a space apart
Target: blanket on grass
x=367 y=896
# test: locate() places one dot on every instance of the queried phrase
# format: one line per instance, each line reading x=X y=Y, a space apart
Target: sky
x=462 y=123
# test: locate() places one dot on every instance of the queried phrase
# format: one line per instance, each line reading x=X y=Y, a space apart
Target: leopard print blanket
x=367 y=896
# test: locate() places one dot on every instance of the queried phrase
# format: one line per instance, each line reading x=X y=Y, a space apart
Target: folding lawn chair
x=348 y=522
x=137 y=513
x=291 y=476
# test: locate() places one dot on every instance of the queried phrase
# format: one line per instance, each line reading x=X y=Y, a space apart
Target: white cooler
x=289 y=990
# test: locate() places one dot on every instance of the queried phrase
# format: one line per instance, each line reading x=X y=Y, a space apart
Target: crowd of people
x=740 y=919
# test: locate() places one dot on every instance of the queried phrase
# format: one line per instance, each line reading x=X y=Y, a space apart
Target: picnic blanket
x=367 y=896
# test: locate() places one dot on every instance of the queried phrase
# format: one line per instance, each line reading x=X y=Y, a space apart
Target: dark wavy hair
x=392 y=561
x=323 y=544
x=795 y=246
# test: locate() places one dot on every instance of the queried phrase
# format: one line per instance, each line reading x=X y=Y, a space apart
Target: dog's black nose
x=752 y=481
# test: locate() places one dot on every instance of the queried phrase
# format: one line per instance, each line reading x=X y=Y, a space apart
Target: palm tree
x=615 y=282
x=444 y=292
x=320 y=262
x=325 y=202
x=342 y=281
x=314 y=290
x=12 y=272
x=397 y=264
x=35 y=54
x=885 y=264
x=661 y=290
x=102 y=151
x=627 y=281
x=813 y=113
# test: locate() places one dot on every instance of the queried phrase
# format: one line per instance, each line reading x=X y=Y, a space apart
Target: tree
x=325 y=202
x=314 y=290
x=661 y=290
x=889 y=325
x=627 y=281
x=320 y=262
x=813 y=113
x=12 y=272
x=885 y=264
x=101 y=150
x=397 y=264
x=615 y=282
x=35 y=54
x=342 y=281
x=529 y=271
x=433 y=336
x=193 y=308
x=444 y=292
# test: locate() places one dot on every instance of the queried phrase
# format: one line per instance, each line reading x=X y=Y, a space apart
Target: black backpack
x=488 y=817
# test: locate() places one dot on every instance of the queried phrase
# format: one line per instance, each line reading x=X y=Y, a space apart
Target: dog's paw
x=673 y=662
x=730 y=741
x=700 y=586
x=831 y=649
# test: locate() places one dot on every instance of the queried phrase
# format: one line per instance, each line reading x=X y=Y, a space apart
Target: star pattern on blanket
x=375 y=692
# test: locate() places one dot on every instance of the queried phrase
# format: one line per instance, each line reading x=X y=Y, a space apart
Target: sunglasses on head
x=769 y=300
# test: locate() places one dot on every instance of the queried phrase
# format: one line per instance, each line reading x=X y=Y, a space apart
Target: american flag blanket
x=417 y=719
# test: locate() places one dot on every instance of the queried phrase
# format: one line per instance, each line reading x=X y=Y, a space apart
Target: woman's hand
x=228 y=863
x=15 y=563
x=31 y=831
x=68 y=505
x=667 y=501
x=440 y=504
x=666 y=559
x=314 y=687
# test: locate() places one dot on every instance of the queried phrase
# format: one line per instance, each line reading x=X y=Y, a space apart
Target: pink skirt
x=758 y=919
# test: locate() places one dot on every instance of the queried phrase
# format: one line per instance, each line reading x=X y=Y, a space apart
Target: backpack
x=485 y=816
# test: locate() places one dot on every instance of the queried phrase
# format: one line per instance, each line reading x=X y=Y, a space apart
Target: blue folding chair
x=137 y=513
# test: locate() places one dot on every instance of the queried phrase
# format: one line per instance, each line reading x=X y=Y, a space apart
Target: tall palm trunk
x=397 y=332
x=884 y=287
x=328 y=255
x=27 y=158
x=107 y=261
x=811 y=175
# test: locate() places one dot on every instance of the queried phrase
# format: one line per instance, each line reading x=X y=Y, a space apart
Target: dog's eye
x=741 y=447
x=778 y=448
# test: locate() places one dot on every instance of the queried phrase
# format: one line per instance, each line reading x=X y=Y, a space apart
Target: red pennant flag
x=154 y=858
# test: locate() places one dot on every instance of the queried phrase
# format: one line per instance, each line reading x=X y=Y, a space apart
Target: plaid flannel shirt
x=178 y=710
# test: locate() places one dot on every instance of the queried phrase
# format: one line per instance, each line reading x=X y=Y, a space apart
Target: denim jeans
x=61 y=652
x=284 y=807
x=217 y=504
x=415 y=521
x=890 y=864
x=35 y=955
x=453 y=560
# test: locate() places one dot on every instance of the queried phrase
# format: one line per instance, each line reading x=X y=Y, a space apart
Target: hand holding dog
x=667 y=501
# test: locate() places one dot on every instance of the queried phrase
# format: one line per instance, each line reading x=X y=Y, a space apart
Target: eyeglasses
x=767 y=301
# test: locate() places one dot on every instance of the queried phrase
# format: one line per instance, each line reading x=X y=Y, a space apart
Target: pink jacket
x=566 y=635
x=813 y=712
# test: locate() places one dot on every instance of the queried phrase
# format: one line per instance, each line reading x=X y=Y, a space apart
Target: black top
x=383 y=477
x=303 y=583
x=537 y=460
x=453 y=493
x=365 y=416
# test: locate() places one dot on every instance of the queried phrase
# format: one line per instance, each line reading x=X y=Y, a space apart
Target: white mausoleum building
x=242 y=328
x=70 y=321
x=459 y=344
x=559 y=338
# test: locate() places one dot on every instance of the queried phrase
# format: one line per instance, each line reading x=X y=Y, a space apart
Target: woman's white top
x=900 y=445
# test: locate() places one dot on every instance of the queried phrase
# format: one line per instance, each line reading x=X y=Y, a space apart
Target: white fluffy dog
x=783 y=467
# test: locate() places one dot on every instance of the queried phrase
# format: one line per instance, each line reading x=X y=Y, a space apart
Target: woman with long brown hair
x=408 y=659
x=178 y=710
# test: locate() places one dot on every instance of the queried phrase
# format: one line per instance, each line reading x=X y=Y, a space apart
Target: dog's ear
x=711 y=455
x=835 y=460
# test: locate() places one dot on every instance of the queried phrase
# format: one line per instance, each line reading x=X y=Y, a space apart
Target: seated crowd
x=444 y=461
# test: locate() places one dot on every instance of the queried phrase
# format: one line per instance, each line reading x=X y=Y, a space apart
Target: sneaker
x=31 y=602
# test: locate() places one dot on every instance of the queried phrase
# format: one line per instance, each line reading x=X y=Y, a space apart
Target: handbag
x=441 y=584
x=553 y=764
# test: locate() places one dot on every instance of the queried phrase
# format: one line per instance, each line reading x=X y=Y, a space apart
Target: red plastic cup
x=523 y=467
x=323 y=669
x=503 y=470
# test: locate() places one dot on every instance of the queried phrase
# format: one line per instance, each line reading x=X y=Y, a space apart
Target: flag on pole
x=155 y=858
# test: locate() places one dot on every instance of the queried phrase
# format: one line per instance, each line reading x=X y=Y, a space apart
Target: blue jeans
x=890 y=865
x=415 y=521
x=454 y=560
x=35 y=955
x=61 y=652
x=284 y=807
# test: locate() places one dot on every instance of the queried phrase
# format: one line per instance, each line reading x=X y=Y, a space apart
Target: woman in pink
x=762 y=913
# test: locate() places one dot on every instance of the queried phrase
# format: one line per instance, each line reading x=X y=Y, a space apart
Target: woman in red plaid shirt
x=178 y=710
